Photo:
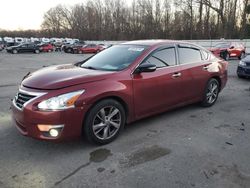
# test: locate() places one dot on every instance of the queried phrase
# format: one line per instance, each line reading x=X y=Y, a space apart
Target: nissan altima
x=95 y=98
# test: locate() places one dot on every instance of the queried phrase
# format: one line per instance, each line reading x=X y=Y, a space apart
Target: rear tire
x=37 y=51
x=104 y=122
x=211 y=93
x=227 y=56
x=242 y=55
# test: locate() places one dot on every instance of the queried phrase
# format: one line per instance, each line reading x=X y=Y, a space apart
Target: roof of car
x=154 y=42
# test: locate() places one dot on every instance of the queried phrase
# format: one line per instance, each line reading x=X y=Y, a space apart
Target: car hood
x=61 y=76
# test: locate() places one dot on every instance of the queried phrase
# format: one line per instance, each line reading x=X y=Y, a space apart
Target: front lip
x=29 y=117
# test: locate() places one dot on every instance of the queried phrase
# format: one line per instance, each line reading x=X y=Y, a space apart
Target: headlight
x=61 y=102
x=242 y=63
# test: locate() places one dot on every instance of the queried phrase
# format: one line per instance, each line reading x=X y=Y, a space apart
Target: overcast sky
x=27 y=14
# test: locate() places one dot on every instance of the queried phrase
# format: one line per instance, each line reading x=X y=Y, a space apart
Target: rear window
x=189 y=55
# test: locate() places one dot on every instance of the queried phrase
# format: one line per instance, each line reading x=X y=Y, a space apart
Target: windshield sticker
x=136 y=49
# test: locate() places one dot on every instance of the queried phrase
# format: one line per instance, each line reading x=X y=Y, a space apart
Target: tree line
x=145 y=19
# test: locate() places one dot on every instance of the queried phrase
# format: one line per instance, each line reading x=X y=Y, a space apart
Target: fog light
x=53 y=132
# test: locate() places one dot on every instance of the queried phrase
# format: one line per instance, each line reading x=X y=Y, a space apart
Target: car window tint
x=158 y=63
x=167 y=56
x=189 y=55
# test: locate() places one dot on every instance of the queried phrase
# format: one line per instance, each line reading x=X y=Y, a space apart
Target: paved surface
x=188 y=147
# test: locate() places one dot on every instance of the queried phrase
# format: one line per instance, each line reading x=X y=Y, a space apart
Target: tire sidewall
x=227 y=56
x=14 y=51
x=242 y=55
x=205 y=103
x=87 y=126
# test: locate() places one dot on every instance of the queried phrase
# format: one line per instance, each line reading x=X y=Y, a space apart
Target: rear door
x=23 y=48
x=158 y=90
x=194 y=65
x=30 y=48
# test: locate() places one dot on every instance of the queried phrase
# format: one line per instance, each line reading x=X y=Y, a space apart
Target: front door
x=159 y=90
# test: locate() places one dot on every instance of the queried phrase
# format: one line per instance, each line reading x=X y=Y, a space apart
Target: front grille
x=22 y=98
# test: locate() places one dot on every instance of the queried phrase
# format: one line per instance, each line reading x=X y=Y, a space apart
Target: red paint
x=144 y=94
x=47 y=48
x=234 y=49
x=90 y=49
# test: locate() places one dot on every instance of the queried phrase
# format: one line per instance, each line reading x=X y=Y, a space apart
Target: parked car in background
x=105 y=46
x=243 y=69
x=119 y=85
x=1 y=45
x=23 y=48
x=47 y=47
x=66 y=47
x=58 y=46
x=73 y=48
x=226 y=50
x=90 y=48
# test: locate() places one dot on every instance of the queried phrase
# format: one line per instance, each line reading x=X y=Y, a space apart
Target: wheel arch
x=218 y=79
x=116 y=98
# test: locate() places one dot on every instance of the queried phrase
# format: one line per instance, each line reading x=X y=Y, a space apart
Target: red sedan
x=90 y=48
x=127 y=82
x=46 y=48
x=226 y=50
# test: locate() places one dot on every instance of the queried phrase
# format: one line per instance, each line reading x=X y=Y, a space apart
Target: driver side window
x=163 y=58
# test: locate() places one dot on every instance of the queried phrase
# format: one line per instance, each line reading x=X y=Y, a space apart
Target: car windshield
x=222 y=45
x=115 y=58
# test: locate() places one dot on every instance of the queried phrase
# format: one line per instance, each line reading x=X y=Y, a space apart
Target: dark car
x=119 y=85
x=73 y=48
x=243 y=69
x=23 y=48
x=226 y=50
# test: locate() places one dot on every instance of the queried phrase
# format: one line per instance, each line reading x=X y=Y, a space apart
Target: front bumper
x=29 y=117
x=243 y=71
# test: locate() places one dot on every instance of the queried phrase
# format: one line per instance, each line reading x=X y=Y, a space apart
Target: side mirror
x=145 y=68
x=232 y=47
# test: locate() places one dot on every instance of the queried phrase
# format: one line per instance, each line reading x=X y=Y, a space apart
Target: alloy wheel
x=107 y=122
x=212 y=92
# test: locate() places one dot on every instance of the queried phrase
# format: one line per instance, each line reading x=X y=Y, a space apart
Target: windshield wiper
x=89 y=67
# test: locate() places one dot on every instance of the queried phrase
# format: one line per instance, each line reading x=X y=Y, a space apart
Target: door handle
x=176 y=75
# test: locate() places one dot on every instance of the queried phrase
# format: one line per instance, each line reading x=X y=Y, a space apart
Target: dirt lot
x=188 y=147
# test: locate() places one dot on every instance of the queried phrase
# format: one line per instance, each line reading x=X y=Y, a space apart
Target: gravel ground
x=188 y=147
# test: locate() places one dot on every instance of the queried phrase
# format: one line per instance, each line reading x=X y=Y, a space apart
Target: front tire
x=211 y=93
x=104 y=122
x=37 y=51
x=14 y=51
